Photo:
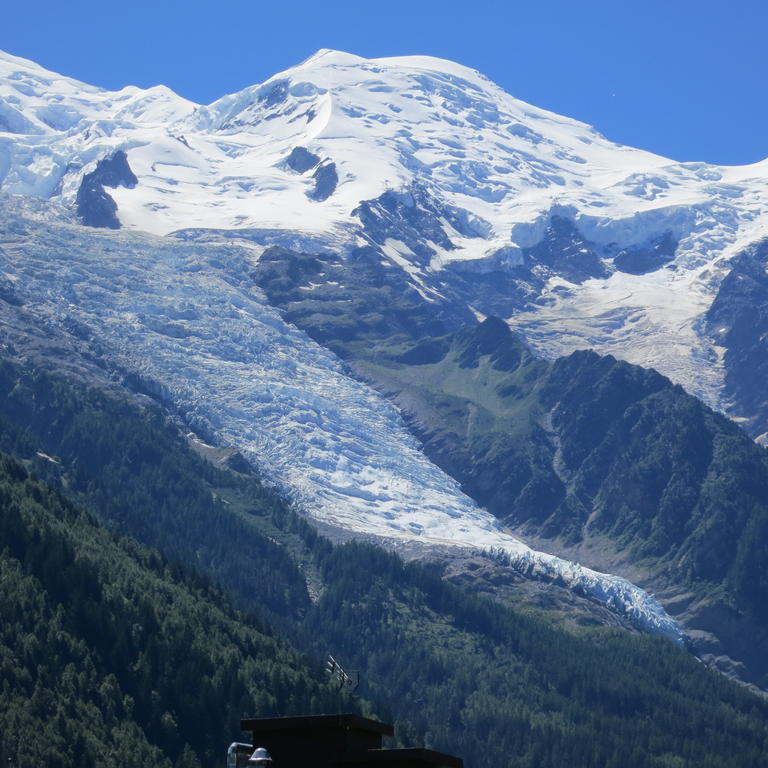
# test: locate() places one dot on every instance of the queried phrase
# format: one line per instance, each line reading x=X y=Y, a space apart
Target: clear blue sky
x=684 y=78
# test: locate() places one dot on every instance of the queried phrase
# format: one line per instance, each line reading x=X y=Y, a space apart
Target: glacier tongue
x=188 y=318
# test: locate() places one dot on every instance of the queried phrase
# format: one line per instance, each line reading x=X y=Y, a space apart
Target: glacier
x=187 y=319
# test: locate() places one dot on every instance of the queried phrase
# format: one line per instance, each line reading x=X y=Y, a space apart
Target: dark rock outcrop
x=416 y=218
x=641 y=260
x=326 y=180
x=301 y=160
x=738 y=321
x=565 y=252
x=95 y=207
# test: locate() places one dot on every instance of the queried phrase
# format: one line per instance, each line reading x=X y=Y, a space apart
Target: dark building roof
x=337 y=741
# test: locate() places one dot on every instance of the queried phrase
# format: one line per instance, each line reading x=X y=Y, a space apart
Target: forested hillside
x=457 y=672
x=504 y=688
x=110 y=655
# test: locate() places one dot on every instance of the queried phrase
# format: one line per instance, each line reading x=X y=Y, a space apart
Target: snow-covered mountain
x=481 y=203
x=437 y=167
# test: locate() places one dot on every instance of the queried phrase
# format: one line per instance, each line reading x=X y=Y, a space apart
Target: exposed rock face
x=353 y=300
x=738 y=321
x=566 y=253
x=301 y=160
x=642 y=260
x=326 y=179
x=416 y=219
x=95 y=207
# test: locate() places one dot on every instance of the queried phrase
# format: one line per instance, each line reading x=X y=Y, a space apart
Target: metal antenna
x=337 y=673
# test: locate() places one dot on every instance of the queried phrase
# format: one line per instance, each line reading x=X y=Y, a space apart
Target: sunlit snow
x=385 y=123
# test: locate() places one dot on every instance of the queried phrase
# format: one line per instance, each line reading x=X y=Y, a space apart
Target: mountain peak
x=413 y=62
x=492 y=337
x=331 y=56
x=18 y=70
